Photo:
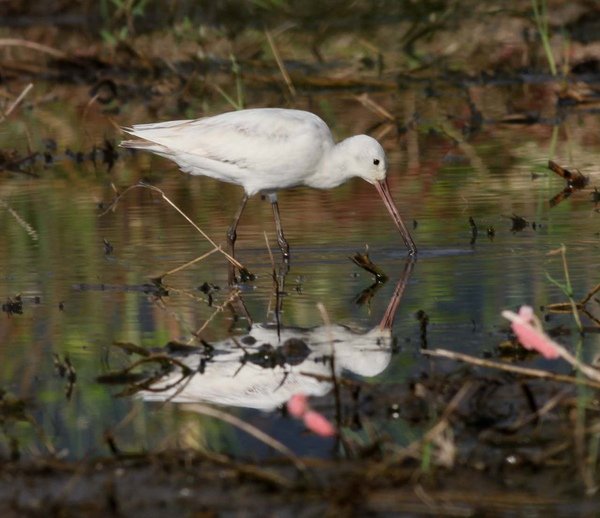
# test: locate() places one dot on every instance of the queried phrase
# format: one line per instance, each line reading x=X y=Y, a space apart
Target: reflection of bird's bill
x=386 y=196
x=232 y=379
x=390 y=313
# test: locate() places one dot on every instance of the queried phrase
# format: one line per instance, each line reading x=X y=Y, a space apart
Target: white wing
x=260 y=149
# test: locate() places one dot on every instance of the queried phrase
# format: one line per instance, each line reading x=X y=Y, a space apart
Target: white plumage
x=267 y=149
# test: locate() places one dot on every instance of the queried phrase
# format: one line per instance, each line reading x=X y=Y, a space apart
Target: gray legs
x=231 y=232
x=281 y=241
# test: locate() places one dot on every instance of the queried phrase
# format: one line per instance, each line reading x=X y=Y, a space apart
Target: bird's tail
x=139 y=144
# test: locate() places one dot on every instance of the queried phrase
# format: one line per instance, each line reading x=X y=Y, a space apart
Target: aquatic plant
x=540 y=15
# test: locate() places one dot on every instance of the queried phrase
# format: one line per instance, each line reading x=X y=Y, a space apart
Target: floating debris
x=108 y=247
x=474 y=230
x=575 y=179
x=518 y=223
x=13 y=306
x=208 y=289
x=154 y=288
x=364 y=261
x=423 y=319
x=65 y=369
x=246 y=276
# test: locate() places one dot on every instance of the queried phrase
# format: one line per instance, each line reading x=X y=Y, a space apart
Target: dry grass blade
x=525 y=371
x=16 y=102
x=249 y=429
x=280 y=64
x=589 y=296
x=371 y=105
x=218 y=248
x=32 y=45
x=28 y=228
x=413 y=449
x=234 y=295
x=188 y=264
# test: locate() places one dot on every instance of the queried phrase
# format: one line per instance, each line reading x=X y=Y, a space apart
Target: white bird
x=267 y=149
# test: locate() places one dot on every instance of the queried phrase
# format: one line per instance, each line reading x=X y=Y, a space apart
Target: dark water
x=78 y=301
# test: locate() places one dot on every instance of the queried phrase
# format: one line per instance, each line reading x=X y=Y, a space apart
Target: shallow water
x=78 y=300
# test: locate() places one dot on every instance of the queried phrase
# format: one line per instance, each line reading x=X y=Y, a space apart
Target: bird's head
x=365 y=158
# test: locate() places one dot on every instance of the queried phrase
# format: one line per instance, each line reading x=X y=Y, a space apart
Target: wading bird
x=267 y=149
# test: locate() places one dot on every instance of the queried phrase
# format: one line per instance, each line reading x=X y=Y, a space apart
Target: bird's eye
x=376 y=161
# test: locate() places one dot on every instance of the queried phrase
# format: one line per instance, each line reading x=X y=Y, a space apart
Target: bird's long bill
x=384 y=192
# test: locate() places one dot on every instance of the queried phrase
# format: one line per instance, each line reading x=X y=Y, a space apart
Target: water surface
x=78 y=300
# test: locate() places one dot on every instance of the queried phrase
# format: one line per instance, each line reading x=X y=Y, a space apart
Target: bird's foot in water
x=245 y=275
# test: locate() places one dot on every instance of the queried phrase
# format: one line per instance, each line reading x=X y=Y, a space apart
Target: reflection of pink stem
x=318 y=424
x=299 y=408
x=297 y=405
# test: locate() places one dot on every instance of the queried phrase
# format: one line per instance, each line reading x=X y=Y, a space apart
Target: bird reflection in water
x=265 y=367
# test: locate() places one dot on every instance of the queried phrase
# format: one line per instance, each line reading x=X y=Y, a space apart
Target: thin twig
x=375 y=107
x=413 y=448
x=534 y=373
x=189 y=263
x=16 y=102
x=28 y=228
x=587 y=298
x=234 y=294
x=540 y=412
x=249 y=429
x=231 y=259
x=17 y=42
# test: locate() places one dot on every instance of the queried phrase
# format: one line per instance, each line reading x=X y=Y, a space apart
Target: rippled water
x=78 y=301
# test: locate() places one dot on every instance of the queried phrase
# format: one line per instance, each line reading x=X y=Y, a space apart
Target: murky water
x=78 y=300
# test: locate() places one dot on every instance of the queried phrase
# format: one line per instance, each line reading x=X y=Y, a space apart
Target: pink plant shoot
x=528 y=331
x=299 y=408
